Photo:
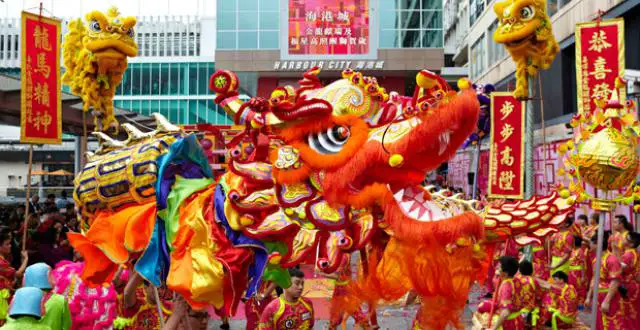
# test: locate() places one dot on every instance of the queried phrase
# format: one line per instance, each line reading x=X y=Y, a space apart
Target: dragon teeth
x=398 y=195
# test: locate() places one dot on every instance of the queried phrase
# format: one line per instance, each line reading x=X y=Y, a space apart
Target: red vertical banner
x=41 y=105
x=599 y=60
x=506 y=156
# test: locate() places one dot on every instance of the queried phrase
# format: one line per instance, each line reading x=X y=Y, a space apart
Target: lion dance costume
x=95 y=56
x=320 y=172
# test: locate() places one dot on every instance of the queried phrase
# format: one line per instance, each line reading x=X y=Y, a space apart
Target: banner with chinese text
x=599 y=60
x=41 y=106
x=328 y=27
x=506 y=156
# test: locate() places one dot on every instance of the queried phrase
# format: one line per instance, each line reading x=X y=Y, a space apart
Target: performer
x=561 y=247
x=621 y=229
x=26 y=311
x=577 y=268
x=507 y=248
x=254 y=306
x=8 y=274
x=540 y=260
x=592 y=227
x=339 y=291
x=291 y=310
x=631 y=279
x=611 y=310
x=57 y=315
x=139 y=306
x=527 y=295
x=563 y=305
x=506 y=307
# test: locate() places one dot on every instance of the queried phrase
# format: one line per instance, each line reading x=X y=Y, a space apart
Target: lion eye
x=131 y=33
x=527 y=12
x=94 y=26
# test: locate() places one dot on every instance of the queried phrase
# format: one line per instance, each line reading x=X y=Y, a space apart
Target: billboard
x=328 y=29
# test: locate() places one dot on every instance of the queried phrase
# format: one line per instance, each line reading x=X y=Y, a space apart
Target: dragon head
x=110 y=36
x=520 y=21
x=350 y=154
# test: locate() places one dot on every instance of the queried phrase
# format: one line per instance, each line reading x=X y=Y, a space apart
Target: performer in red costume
x=631 y=279
x=577 y=268
x=611 y=313
x=507 y=303
x=255 y=305
x=291 y=310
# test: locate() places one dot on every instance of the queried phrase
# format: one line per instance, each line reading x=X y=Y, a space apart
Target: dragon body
x=95 y=56
x=319 y=173
x=525 y=29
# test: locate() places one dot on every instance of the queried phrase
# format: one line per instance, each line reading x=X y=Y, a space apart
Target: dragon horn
x=163 y=125
x=106 y=142
x=132 y=132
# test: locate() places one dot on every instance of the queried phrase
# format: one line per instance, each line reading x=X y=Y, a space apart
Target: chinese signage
x=41 y=107
x=328 y=27
x=506 y=156
x=599 y=60
x=327 y=65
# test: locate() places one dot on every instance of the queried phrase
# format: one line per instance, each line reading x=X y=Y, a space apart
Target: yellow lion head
x=110 y=35
x=521 y=20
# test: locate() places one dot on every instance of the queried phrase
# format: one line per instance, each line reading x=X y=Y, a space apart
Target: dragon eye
x=131 y=32
x=330 y=141
x=94 y=26
x=527 y=12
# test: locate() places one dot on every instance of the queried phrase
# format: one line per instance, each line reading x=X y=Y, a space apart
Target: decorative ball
x=607 y=160
x=206 y=144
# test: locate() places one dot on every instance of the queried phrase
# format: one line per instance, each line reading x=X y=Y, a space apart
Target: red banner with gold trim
x=41 y=106
x=599 y=60
x=506 y=157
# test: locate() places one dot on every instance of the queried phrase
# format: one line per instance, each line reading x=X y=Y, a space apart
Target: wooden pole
x=28 y=200
x=159 y=306
x=596 y=275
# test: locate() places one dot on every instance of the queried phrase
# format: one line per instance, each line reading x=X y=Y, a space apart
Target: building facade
x=271 y=42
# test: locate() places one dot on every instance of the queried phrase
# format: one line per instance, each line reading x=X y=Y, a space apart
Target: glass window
x=269 y=20
x=226 y=40
x=146 y=78
x=269 y=5
x=387 y=5
x=410 y=38
x=136 y=81
x=193 y=78
x=203 y=78
x=227 y=5
x=390 y=20
x=269 y=39
x=553 y=6
x=389 y=39
x=248 y=40
x=432 y=19
x=248 y=20
x=174 y=78
x=431 y=4
x=155 y=79
x=247 y=4
x=410 y=19
x=496 y=50
x=477 y=57
x=432 y=39
x=227 y=21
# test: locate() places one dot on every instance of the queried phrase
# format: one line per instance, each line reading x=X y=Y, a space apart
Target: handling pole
x=474 y=192
x=596 y=275
x=529 y=144
x=28 y=200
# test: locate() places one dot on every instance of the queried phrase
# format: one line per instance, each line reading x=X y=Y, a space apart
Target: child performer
x=58 y=315
x=528 y=294
x=139 y=306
